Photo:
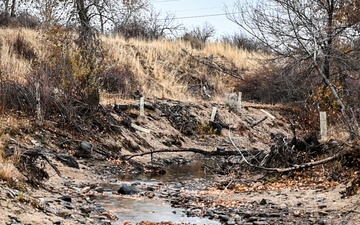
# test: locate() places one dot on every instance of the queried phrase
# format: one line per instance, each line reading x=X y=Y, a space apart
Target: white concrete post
x=38 y=106
x=142 y=111
x=213 y=114
x=239 y=99
x=323 y=126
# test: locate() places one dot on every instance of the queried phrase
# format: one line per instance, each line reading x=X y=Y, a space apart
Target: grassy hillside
x=161 y=68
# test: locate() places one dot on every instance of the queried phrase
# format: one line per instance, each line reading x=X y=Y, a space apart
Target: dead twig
x=288 y=169
x=255 y=123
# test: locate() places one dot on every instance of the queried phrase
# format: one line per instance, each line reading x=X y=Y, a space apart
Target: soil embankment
x=117 y=141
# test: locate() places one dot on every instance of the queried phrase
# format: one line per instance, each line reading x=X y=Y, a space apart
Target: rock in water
x=127 y=190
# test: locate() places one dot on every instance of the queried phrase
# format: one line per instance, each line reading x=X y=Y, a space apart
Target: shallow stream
x=137 y=209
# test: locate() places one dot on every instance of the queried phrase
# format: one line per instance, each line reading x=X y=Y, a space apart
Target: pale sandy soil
x=24 y=207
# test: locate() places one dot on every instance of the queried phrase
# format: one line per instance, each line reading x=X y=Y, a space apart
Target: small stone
x=85 y=190
x=66 y=198
x=247 y=214
x=260 y=223
x=251 y=219
x=86 y=209
x=196 y=212
x=283 y=206
x=297 y=213
x=263 y=202
x=99 y=189
x=263 y=215
x=150 y=188
x=210 y=213
x=127 y=190
x=84 y=150
x=274 y=215
x=322 y=213
x=150 y=194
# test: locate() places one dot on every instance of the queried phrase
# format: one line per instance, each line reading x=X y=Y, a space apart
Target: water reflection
x=137 y=210
x=175 y=172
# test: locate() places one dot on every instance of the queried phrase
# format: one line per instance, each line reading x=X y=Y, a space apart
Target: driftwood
x=302 y=166
x=287 y=169
x=38 y=153
x=255 y=123
x=194 y=150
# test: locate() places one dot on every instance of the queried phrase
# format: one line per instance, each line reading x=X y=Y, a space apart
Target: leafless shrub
x=203 y=33
x=148 y=25
x=17 y=97
x=243 y=42
x=118 y=80
x=274 y=84
x=24 y=19
x=27 y=20
x=23 y=48
x=195 y=42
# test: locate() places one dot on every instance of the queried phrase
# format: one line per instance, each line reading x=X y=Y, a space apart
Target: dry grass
x=12 y=67
x=159 y=67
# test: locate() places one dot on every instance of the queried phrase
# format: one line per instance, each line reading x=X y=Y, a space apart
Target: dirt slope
x=166 y=125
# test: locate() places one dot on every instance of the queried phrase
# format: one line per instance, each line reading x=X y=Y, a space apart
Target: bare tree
x=243 y=42
x=143 y=21
x=307 y=32
x=203 y=32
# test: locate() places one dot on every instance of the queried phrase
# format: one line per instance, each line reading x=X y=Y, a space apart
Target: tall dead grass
x=158 y=68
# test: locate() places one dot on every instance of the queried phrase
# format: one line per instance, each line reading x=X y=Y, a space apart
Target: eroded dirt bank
x=90 y=159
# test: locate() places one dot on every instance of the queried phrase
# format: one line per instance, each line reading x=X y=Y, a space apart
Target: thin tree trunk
x=13 y=8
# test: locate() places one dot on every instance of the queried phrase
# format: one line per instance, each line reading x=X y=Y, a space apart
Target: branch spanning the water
x=194 y=150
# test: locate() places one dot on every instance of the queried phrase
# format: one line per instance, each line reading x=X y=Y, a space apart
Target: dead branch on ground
x=287 y=169
x=194 y=150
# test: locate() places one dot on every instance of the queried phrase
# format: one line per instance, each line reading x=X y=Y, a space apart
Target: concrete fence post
x=323 y=126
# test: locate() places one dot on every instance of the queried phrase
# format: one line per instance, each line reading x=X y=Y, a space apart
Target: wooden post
x=239 y=99
x=38 y=106
x=323 y=126
x=142 y=111
x=213 y=114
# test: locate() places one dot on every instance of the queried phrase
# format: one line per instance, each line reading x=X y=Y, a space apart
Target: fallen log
x=302 y=166
x=194 y=150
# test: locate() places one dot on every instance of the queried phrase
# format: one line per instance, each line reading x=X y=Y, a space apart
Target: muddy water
x=176 y=172
x=137 y=209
